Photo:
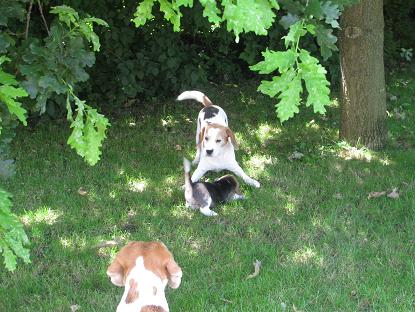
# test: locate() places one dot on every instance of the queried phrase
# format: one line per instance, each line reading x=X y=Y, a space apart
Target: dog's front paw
x=207 y=212
x=254 y=183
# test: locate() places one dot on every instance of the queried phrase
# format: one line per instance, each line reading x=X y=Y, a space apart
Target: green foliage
x=399 y=16
x=143 y=12
x=241 y=16
x=314 y=17
x=12 y=235
x=88 y=129
x=249 y=15
x=52 y=69
x=211 y=11
x=9 y=93
x=294 y=65
x=10 y=109
x=314 y=76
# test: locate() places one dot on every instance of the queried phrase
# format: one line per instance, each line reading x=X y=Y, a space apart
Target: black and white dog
x=203 y=195
x=215 y=141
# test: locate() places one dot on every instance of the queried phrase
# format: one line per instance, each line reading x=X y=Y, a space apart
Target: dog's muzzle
x=209 y=152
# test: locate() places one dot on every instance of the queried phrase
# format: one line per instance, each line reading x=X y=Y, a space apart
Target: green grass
x=323 y=244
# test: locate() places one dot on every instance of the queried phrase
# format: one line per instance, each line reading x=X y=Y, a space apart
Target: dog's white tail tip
x=194 y=95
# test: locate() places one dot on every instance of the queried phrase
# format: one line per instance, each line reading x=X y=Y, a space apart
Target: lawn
x=324 y=245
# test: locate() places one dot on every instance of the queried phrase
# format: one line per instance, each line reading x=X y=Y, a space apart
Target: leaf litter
x=257 y=266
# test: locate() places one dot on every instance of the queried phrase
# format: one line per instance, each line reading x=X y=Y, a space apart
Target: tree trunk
x=363 y=102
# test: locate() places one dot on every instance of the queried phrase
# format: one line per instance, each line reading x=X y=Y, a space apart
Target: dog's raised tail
x=195 y=95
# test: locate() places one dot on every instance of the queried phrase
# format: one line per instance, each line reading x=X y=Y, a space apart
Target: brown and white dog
x=144 y=268
x=215 y=141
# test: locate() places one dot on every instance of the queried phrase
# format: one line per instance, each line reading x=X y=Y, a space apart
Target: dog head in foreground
x=144 y=269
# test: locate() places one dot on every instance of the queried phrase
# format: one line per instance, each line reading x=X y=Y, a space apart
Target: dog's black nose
x=209 y=152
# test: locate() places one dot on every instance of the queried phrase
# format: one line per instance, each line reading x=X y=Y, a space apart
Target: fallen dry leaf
x=178 y=147
x=296 y=309
x=257 y=266
x=82 y=192
x=226 y=300
x=394 y=194
x=74 y=307
x=295 y=155
x=375 y=194
x=393 y=97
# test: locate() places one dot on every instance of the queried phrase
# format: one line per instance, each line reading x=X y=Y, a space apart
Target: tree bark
x=363 y=98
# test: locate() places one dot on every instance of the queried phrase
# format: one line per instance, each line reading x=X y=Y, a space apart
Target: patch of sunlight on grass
x=334 y=103
x=169 y=122
x=182 y=212
x=347 y=152
x=73 y=243
x=194 y=246
x=266 y=132
x=385 y=161
x=231 y=208
x=317 y=223
x=137 y=185
x=252 y=232
x=258 y=163
x=66 y=242
x=173 y=180
x=41 y=215
x=306 y=255
x=312 y=125
x=291 y=205
x=112 y=194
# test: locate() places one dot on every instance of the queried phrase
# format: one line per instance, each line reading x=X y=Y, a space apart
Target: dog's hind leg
x=239 y=172
x=207 y=212
x=206 y=209
x=237 y=196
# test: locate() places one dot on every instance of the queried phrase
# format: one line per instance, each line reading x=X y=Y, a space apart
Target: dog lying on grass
x=215 y=141
x=204 y=195
x=144 y=268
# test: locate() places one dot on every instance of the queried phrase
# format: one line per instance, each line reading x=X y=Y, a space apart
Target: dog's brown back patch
x=152 y=308
x=132 y=292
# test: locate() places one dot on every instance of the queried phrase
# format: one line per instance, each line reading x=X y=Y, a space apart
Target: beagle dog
x=215 y=142
x=144 y=268
x=203 y=195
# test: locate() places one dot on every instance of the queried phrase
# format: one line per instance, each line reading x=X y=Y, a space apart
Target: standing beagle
x=144 y=268
x=215 y=142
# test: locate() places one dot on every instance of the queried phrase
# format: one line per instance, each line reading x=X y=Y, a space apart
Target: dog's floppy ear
x=116 y=273
x=232 y=137
x=201 y=137
x=174 y=274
